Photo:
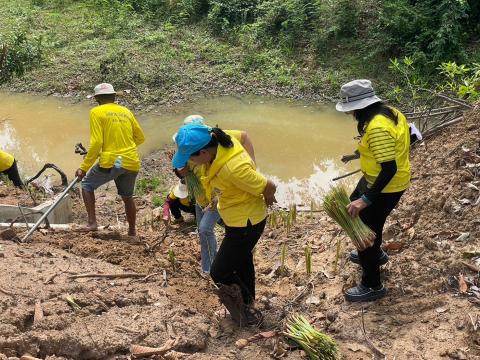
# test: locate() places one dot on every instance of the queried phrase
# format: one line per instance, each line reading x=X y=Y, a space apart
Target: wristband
x=367 y=201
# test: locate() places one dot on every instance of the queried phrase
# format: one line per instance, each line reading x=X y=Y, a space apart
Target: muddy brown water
x=297 y=144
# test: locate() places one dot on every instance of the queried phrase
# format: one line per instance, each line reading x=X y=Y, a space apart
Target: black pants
x=233 y=263
x=374 y=216
x=12 y=173
x=176 y=206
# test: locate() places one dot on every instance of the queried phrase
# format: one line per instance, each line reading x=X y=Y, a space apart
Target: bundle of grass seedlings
x=335 y=205
x=194 y=186
x=317 y=345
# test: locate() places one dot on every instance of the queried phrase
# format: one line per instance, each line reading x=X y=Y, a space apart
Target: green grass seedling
x=172 y=259
x=308 y=260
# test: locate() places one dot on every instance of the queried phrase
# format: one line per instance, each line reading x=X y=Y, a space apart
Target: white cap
x=104 y=89
x=180 y=191
x=191 y=119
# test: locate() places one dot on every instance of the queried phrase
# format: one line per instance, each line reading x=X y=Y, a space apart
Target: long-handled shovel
x=346 y=175
x=49 y=210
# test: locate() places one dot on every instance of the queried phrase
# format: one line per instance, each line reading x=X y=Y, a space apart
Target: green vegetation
x=172 y=259
x=149 y=184
x=316 y=344
x=154 y=186
x=158 y=200
x=165 y=50
x=283 y=259
x=460 y=80
x=194 y=186
x=308 y=260
x=335 y=205
x=287 y=219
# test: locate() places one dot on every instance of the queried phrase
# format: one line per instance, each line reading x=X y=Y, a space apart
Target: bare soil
x=430 y=237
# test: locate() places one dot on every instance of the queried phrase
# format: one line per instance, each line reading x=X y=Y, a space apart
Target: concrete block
x=62 y=214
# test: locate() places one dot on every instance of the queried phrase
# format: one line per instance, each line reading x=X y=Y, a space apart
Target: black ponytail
x=219 y=137
x=364 y=115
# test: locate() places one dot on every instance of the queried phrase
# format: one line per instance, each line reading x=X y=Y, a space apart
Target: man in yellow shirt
x=114 y=137
x=8 y=166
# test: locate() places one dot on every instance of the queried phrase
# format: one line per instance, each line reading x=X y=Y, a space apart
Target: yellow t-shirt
x=114 y=132
x=6 y=160
x=234 y=180
x=384 y=141
x=199 y=170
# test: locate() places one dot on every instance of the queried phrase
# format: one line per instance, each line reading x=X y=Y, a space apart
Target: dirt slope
x=424 y=316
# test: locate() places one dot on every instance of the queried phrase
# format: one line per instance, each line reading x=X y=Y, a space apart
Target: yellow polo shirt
x=234 y=180
x=6 y=160
x=114 y=132
x=386 y=141
x=199 y=170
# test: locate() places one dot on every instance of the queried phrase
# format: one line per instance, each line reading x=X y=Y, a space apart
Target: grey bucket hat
x=356 y=95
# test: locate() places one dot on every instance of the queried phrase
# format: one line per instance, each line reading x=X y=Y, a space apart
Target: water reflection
x=312 y=188
x=8 y=137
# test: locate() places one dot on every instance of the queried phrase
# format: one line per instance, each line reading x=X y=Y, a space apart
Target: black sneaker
x=356 y=260
x=362 y=293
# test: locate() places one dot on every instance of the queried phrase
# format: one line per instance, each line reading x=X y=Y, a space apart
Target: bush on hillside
x=18 y=54
x=224 y=15
x=284 y=22
x=359 y=33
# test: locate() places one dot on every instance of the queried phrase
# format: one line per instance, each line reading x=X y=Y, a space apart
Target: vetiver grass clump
x=194 y=186
x=317 y=345
x=335 y=205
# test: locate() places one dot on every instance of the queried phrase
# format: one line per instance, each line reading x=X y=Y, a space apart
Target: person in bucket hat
x=384 y=150
x=242 y=195
x=176 y=202
x=114 y=137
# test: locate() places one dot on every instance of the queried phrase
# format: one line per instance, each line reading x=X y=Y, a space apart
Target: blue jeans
x=206 y=221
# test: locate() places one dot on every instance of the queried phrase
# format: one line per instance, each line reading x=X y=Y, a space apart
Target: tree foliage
x=429 y=31
x=359 y=34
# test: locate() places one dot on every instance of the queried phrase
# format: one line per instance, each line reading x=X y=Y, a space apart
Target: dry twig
x=127 y=329
x=53 y=276
x=241 y=343
x=471 y=267
x=160 y=240
x=139 y=351
x=108 y=276
x=376 y=351
x=308 y=287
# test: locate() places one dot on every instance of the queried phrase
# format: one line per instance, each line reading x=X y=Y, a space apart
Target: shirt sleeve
x=138 y=135
x=237 y=134
x=382 y=144
x=389 y=169
x=96 y=142
x=246 y=178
